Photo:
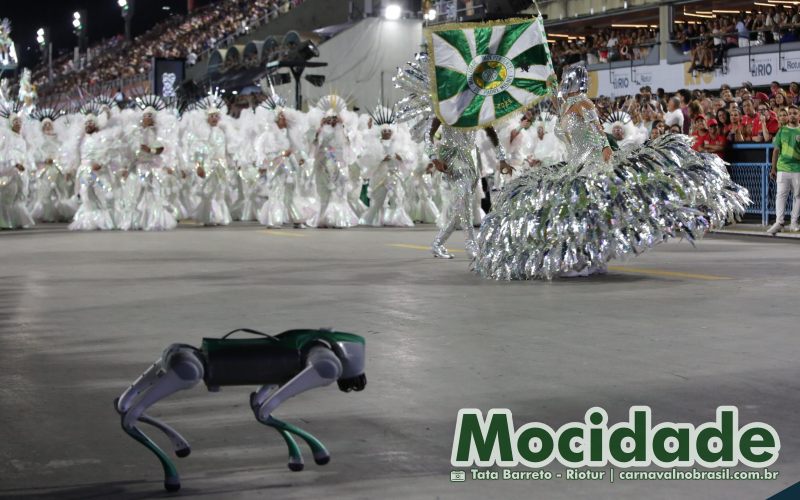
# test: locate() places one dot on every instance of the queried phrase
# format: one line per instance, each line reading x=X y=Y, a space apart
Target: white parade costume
x=208 y=150
x=332 y=159
x=154 y=152
x=94 y=184
x=14 y=155
x=54 y=200
x=386 y=158
x=277 y=159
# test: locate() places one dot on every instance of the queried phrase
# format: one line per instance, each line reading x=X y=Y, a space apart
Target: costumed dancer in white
x=154 y=152
x=208 y=150
x=422 y=192
x=94 y=183
x=620 y=126
x=55 y=200
x=332 y=158
x=277 y=159
x=387 y=170
x=15 y=161
x=547 y=148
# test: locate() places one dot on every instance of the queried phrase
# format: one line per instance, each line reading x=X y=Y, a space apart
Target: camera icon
x=458 y=476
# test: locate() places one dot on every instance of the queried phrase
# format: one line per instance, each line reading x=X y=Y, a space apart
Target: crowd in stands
x=715 y=119
x=179 y=36
x=603 y=46
x=705 y=40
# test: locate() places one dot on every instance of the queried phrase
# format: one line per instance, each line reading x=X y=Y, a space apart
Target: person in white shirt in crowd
x=674 y=115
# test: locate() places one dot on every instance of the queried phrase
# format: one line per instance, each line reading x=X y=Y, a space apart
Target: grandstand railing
x=272 y=13
x=675 y=54
x=754 y=175
x=135 y=85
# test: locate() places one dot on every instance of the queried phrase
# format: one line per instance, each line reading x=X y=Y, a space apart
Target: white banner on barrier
x=759 y=69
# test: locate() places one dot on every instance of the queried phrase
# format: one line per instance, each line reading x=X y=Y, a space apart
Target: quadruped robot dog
x=285 y=365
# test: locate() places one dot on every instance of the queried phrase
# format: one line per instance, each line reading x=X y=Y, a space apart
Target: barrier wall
x=758 y=65
x=750 y=167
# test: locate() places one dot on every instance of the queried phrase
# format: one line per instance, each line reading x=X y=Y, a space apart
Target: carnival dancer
x=422 y=192
x=547 y=148
x=571 y=219
x=276 y=157
x=207 y=149
x=154 y=157
x=387 y=170
x=55 y=200
x=452 y=154
x=94 y=185
x=332 y=158
x=15 y=162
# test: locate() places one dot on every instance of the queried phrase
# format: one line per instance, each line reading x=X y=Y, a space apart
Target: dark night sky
x=104 y=20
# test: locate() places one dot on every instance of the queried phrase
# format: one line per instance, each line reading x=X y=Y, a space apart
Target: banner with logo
x=758 y=69
x=485 y=72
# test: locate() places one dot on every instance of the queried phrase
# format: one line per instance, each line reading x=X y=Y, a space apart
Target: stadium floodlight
x=393 y=12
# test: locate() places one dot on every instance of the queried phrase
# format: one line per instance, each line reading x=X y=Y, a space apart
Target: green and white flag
x=484 y=72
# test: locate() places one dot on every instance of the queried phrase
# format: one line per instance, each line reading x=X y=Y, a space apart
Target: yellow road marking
x=278 y=232
x=667 y=274
x=418 y=247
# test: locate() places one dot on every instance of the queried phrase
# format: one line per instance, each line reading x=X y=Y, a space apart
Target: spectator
x=685 y=97
x=724 y=121
x=774 y=88
x=743 y=31
x=781 y=101
x=783 y=116
x=769 y=122
x=717 y=142
x=699 y=133
x=751 y=122
x=674 y=115
x=794 y=92
x=737 y=130
x=658 y=129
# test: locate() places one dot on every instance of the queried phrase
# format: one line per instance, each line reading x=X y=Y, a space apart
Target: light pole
x=46 y=46
x=127 y=15
x=79 y=28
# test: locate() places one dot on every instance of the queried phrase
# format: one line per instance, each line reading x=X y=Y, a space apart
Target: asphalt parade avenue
x=680 y=329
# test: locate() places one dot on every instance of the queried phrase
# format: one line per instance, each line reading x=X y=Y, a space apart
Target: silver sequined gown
x=584 y=212
x=455 y=150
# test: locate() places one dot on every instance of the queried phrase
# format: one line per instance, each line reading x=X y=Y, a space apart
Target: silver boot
x=440 y=252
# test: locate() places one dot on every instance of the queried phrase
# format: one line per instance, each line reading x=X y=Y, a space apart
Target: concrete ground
x=680 y=329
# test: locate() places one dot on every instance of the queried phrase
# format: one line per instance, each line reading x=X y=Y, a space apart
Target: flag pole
x=537 y=8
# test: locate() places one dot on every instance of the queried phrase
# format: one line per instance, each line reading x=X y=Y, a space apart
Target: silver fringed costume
x=454 y=149
x=573 y=217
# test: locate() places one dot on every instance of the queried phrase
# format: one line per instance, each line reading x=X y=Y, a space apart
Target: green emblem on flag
x=483 y=73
